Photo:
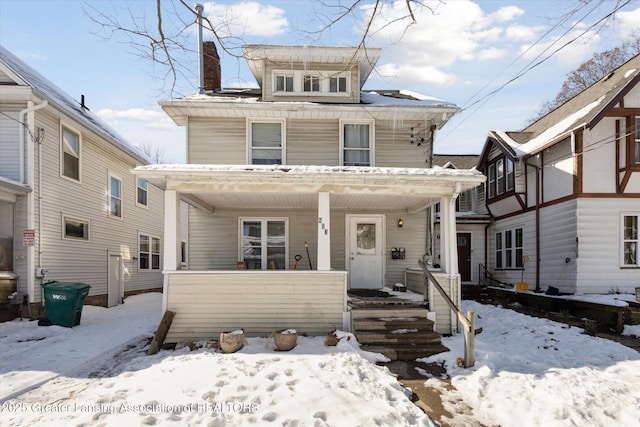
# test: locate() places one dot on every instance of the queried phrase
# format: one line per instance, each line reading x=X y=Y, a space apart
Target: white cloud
x=418 y=74
x=575 y=51
x=491 y=53
x=507 y=13
x=629 y=22
x=247 y=18
x=517 y=32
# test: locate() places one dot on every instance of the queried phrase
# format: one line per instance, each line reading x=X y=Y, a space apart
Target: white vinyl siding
x=70 y=153
x=10 y=145
x=266 y=141
x=630 y=240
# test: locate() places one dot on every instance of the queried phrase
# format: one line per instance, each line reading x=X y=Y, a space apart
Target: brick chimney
x=212 y=73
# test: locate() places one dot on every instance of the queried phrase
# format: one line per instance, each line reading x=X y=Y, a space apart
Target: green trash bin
x=64 y=301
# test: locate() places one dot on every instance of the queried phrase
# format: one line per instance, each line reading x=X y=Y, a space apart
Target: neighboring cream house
x=70 y=210
x=565 y=192
x=307 y=162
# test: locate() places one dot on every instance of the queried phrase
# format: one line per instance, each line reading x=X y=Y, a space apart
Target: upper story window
x=357 y=144
x=115 y=196
x=142 y=192
x=311 y=83
x=70 y=153
x=338 y=84
x=630 y=240
x=500 y=177
x=266 y=142
x=284 y=83
x=637 y=138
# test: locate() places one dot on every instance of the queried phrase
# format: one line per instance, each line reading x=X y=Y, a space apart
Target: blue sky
x=461 y=52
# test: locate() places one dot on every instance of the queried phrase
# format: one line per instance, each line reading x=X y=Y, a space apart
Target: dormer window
x=311 y=83
x=338 y=84
x=284 y=83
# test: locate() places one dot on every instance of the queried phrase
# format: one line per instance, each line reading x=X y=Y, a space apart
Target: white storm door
x=365 y=255
x=115 y=280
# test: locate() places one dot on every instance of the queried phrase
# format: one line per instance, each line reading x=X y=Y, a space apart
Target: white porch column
x=445 y=238
x=172 y=258
x=324 y=235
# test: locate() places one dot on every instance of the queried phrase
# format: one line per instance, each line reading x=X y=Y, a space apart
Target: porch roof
x=283 y=186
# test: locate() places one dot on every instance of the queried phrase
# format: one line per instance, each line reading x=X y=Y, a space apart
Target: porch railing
x=467 y=321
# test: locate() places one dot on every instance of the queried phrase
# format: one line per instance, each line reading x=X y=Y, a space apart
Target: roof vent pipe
x=199 y=8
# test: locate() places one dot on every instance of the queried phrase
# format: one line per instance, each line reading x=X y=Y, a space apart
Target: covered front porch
x=347 y=218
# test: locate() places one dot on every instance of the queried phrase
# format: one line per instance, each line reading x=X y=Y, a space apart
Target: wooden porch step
x=387 y=312
x=385 y=338
x=392 y=323
x=406 y=351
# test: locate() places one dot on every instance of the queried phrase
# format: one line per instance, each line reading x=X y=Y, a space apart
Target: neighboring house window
x=70 y=153
x=148 y=252
x=115 y=197
x=630 y=240
x=637 y=144
x=142 y=193
x=311 y=83
x=266 y=143
x=264 y=243
x=509 y=248
x=284 y=83
x=357 y=144
x=7 y=210
x=183 y=254
x=75 y=229
x=501 y=177
x=338 y=84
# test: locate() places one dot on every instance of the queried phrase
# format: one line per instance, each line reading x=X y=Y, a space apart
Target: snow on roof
x=285 y=169
x=69 y=105
x=570 y=122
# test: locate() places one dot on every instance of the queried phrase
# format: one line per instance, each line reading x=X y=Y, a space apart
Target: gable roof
x=44 y=88
x=456 y=161
x=584 y=110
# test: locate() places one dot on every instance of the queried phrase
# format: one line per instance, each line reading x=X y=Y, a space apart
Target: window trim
x=501 y=249
x=109 y=195
x=283 y=137
x=77 y=132
x=264 y=221
x=372 y=151
x=622 y=240
x=151 y=237
x=324 y=82
x=146 y=190
x=65 y=218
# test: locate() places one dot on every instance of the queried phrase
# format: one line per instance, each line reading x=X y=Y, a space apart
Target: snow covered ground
x=528 y=372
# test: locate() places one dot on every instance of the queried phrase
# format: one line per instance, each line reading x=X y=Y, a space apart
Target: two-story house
x=300 y=190
x=70 y=210
x=565 y=192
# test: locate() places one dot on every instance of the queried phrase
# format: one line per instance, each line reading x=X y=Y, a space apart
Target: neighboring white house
x=70 y=210
x=565 y=192
x=308 y=163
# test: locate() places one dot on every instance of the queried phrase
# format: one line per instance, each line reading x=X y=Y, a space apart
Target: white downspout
x=28 y=179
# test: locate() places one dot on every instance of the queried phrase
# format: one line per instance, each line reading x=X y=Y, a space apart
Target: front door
x=115 y=280
x=464 y=256
x=365 y=254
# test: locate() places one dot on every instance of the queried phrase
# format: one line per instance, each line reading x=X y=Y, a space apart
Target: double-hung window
x=264 y=243
x=500 y=177
x=148 y=252
x=266 y=142
x=630 y=240
x=357 y=144
x=115 y=196
x=142 y=192
x=70 y=149
x=509 y=248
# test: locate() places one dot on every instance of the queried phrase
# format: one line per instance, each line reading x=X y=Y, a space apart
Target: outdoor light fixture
x=400 y=223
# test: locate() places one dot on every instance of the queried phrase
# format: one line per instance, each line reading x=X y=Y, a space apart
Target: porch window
x=70 y=151
x=266 y=143
x=357 y=147
x=115 y=197
x=509 y=248
x=148 y=252
x=264 y=243
x=75 y=228
x=630 y=240
x=142 y=193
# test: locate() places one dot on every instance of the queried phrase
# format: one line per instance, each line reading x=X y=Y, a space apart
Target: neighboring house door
x=365 y=255
x=115 y=280
x=464 y=256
